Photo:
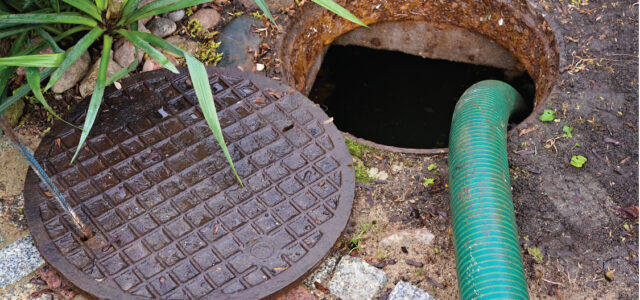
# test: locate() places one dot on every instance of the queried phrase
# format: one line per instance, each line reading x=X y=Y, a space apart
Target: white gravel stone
x=356 y=279
x=18 y=260
x=406 y=291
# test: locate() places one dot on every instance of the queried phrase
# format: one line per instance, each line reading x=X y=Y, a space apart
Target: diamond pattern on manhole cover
x=169 y=218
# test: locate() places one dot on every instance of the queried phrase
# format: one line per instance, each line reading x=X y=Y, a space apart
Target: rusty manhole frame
x=524 y=32
x=307 y=120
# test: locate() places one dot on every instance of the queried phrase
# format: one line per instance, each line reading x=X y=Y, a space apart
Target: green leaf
x=578 y=160
x=74 y=53
x=55 y=4
x=157 y=55
x=159 y=7
x=567 y=131
x=98 y=91
x=35 y=60
x=65 y=18
x=124 y=71
x=15 y=30
x=431 y=167
x=130 y=7
x=155 y=40
x=23 y=90
x=200 y=80
x=547 y=115
x=339 y=10
x=85 y=6
x=52 y=43
x=265 y=9
x=101 y=4
x=536 y=253
x=429 y=181
x=33 y=79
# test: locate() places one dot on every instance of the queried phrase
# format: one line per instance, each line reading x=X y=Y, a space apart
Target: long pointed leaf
x=74 y=53
x=200 y=80
x=85 y=6
x=52 y=43
x=156 y=10
x=16 y=30
x=265 y=9
x=36 y=60
x=130 y=7
x=339 y=10
x=33 y=79
x=155 y=40
x=23 y=90
x=96 y=98
x=40 y=45
x=101 y=4
x=157 y=55
x=124 y=71
x=65 y=18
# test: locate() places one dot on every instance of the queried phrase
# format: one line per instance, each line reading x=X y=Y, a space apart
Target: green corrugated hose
x=488 y=258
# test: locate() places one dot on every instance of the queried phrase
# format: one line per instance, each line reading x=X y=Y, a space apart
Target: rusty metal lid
x=168 y=217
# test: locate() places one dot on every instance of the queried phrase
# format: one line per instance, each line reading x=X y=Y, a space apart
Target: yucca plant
x=100 y=20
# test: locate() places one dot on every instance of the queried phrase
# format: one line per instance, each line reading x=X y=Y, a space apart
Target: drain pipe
x=488 y=259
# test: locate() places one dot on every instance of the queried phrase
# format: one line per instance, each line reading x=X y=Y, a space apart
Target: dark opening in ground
x=401 y=100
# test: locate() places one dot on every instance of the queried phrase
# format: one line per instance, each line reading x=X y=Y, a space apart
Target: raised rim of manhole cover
x=151 y=178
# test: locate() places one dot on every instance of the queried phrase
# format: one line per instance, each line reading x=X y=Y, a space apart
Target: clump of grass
x=356 y=149
x=207 y=53
x=354 y=243
x=361 y=172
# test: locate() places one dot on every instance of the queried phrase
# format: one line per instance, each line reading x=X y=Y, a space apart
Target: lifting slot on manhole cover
x=168 y=217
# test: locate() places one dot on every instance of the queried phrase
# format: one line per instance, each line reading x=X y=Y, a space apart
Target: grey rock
x=18 y=260
x=356 y=279
x=125 y=53
x=184 y=43
x=72 y=75
x=208 y=17
x=274 y=5
x=323 y=273
x=234 y=40
x=143 y=3
x=176 y=15
x=88 y=83
x=162 y=27
x=406 y=291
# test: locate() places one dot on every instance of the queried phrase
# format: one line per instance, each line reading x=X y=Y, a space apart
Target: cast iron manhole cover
x=152 y=178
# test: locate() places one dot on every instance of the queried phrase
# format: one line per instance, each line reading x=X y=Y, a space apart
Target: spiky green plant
x=101 y=20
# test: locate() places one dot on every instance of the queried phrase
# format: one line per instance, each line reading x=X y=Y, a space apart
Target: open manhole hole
x=169 y=220
x=394 y=85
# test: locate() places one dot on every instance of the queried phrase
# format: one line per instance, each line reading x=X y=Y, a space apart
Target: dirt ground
x=578 y=226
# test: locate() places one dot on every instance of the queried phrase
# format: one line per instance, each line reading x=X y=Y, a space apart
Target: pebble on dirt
x=235 y=39
x=406 y=291
x=208 y=17
x=356 y=279
x=162 y=27
x=72 y=75
x=89 y=82
x=176 y=15
x=125 y=53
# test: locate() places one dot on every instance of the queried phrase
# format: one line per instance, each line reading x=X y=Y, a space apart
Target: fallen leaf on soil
x=320 y=287
x=413 y=263
x=578 y=161
x=55 y=283
x=524 y=131
x=631 y=212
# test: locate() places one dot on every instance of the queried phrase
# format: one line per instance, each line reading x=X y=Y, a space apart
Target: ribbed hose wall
x=488 y=258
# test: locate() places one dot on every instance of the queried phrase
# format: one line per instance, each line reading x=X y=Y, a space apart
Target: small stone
x=377 y=174
x=143 y=3
x=208 y=17
x=72 y=75
x=274 y=5
x=151 y=64
x=125 y=53
x=176 y=15
x=420 y=237
x=322 y=274
x=356 y=279
x=162 y=27
x=235 y=39
x=407 y=291
x=13 y=113
x=18 y=260
x=89 y=82
x=184 y=43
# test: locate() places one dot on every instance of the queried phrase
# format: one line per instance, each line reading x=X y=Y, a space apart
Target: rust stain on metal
x=168 y=217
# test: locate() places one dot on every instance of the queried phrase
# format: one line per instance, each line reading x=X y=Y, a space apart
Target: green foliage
x=207 y=53
x=361 y=172
x=431 y=167
x=567 y=131
x=356 y=149
x=547 y=115
x=328 y=4
x=578 y=161
x=103 y=19
x=354 y=242
x=429 y=181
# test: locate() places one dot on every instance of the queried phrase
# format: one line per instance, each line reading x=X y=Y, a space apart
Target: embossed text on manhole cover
x=169 y=219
